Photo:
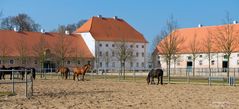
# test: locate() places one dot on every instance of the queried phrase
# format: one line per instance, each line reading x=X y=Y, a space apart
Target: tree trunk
x=228 y=61
x=194 y=66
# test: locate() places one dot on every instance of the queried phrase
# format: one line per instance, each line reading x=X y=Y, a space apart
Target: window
x=106 y=45
x=0 y=61
x=142 y=46
x=137 y=46
x=100 y=64
x=100 y=53
x=78 y=62
x=158 y=57
x=237 y=62
x=107 y=53
x=212 y=62
x=100 y=45
x=88 y=62
x=11 y=61
x=200 y=56
x=131 y=46
x=142 y=54
x=189 y=57
x=142 y=64
x=35 y=61
x=113 y=53
x=225 y=56
x=137 y=54
x=200 y=62
x=107 y=64
x=238 y=55
x=137 y=64
x=68 y=62
x=113 y=64
x=113 y=45
x=131 y=64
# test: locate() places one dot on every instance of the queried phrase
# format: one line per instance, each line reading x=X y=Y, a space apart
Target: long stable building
x=201 y=34
x=95 y=42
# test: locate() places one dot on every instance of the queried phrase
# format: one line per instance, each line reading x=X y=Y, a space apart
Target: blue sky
x=147 y=16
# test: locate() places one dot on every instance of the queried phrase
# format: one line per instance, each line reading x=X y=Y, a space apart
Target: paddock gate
x=16 y=83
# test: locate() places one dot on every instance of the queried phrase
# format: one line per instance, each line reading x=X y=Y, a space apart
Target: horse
x=155 y=73
x=80 y=71
x=3 y=73
x=63 y=71
x=27 y=70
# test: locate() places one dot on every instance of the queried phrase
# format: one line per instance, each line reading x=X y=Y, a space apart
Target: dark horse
x=80 y=71
x=7 y=71
x=20 y=70
x=155 y=74
x=63 y=71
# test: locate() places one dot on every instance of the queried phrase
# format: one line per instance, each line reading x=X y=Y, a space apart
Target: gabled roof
x=187 y=34
x=110 y=29
x=12 y=39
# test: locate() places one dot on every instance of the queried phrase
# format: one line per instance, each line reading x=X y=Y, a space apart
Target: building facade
x=200 y=36
x=103 y=37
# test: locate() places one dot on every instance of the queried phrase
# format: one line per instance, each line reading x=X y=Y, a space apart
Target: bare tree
x=61 y=48
x=23 y=50
x=5 y=51
x=123 y=53
x=194 y=48
x=170 y=45
x=23 y=21
x=227 y=39
x=39 y=49
x=208 y=45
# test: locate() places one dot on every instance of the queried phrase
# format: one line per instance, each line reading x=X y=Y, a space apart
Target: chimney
x=42 y=31
x=67 y=32
x=235 y=22
x=200 y=25
x=99 y=16
x=115 y=17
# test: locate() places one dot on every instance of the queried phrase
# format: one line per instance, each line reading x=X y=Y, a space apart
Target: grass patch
x=7 y=94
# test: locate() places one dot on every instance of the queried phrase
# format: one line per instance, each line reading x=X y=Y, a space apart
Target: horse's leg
x=66 y=75
x=78 y=77
x=158 y=80
x=83 y=77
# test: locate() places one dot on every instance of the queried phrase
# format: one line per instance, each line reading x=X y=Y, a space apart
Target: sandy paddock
x=108 y=94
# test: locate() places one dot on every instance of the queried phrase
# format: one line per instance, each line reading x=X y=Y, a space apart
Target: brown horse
x=63 y=71
x=80 y=71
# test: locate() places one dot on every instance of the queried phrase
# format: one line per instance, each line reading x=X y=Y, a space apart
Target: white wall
x=112 y=59
x=217 y=57
x=90 y=41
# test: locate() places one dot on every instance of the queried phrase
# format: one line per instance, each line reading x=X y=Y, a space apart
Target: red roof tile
x=110 y=29
x=202 y=33
x=12 y=40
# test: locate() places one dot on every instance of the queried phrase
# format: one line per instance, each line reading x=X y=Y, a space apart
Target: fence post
x=32 y=82
x=26 y=83
x=13 y=87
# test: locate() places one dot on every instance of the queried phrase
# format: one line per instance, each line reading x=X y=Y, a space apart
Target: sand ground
x=112 y=94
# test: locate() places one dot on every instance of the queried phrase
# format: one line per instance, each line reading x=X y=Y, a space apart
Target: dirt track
x=109 y=94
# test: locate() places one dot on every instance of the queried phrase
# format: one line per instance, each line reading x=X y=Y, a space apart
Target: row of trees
x=224 y=40
x=23 y=22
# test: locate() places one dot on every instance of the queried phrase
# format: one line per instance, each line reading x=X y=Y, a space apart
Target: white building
x=218 y=58
x=102 y=35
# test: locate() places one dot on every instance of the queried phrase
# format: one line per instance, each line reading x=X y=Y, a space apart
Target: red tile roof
x=12 y=40
x=202 y=33
x=110 y=29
